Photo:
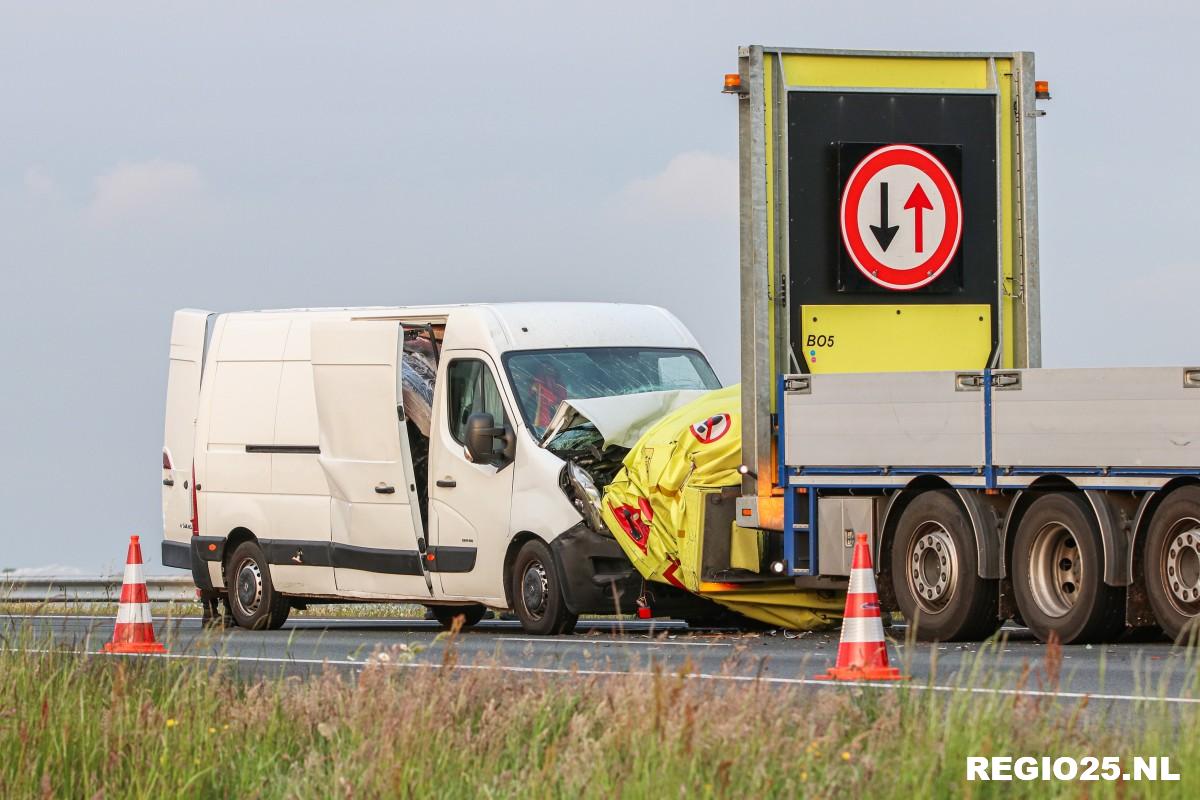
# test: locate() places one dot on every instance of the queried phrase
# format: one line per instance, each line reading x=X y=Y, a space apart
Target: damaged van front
x=593 y=436
x=588 y=407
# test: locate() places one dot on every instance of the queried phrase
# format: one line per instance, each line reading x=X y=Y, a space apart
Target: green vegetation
x=80 y=726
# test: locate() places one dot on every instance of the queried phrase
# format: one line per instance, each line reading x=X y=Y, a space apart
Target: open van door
x=189 y=333
x=378 y=543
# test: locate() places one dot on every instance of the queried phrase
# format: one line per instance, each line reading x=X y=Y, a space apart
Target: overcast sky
x=255 y=155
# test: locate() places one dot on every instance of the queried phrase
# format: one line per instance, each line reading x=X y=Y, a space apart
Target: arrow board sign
x=901 y=217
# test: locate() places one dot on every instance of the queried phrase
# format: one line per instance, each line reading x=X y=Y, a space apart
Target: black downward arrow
x=883 y=233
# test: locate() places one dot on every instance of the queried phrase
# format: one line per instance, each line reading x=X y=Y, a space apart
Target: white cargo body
x=294 y=470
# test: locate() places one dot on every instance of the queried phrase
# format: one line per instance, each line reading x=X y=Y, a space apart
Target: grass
x=78 y=726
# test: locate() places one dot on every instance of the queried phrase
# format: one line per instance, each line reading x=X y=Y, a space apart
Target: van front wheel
x=252 y=597
x=537 y=593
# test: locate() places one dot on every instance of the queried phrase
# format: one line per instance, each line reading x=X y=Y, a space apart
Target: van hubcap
x=1055 y=569
x=1181 y=566
x=535 y=588
x=249 y=586
x=932 y=567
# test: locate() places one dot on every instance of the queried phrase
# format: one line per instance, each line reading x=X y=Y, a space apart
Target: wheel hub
x=249 y=586
x=535 y=588
x=932 y=567
x=1182 y=568
x=1055 y=570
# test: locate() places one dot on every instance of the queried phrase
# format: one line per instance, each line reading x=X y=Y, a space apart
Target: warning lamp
x=1041 y=90
x=778 y=567
x=733 y=84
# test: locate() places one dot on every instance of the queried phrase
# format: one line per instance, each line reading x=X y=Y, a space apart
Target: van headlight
x=585 y=496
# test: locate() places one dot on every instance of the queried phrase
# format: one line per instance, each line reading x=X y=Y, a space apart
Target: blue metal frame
x=989 y=469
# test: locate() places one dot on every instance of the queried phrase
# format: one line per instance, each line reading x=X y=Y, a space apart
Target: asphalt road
x=1121 y=674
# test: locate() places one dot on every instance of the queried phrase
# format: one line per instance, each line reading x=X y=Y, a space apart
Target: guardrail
x=90 y=589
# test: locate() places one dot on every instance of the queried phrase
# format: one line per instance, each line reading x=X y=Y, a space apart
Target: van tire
x=537 y=593
x=934 y=556
x=446 y=615
x=252 y=597
x=1058 y=573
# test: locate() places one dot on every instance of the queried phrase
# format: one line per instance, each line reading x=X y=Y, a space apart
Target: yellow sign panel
x=886 y=338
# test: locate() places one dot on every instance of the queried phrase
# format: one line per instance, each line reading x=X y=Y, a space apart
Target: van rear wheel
x=536 y=590
x=252 y=597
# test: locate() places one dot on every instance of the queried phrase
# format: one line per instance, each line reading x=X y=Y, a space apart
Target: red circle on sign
x=710 y=430
x=875 y=270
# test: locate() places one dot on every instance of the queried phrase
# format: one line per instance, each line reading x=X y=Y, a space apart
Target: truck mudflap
x=660 y=508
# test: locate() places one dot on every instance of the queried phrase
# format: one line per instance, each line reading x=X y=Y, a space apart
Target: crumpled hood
x=621 y=419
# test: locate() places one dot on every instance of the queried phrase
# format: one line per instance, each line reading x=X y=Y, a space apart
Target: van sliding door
x=378 y=544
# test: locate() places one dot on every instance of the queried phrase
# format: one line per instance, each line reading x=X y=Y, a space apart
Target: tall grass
x=80 y=726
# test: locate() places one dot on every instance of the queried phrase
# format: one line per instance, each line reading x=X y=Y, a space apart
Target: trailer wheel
x=935 y=572
x=1172 y=560
x=446 y=615
x=252 y=597
x=1058 y=573
x=537 y=592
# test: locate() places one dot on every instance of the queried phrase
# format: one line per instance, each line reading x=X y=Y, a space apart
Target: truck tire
x=935 y=572
x=252 y=597
x=1058 y=573
x=537 y=592
x=1172 y=562
x=471 y=615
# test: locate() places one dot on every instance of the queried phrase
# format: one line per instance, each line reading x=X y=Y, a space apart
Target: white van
x=396 y=454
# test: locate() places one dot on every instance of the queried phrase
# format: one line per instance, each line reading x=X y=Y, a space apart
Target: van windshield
x=544 y=378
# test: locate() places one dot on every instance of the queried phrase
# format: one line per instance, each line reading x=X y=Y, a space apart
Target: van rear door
x=378 y=544
x=189 y=333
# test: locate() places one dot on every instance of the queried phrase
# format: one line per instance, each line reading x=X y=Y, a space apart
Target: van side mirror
x=480 y=439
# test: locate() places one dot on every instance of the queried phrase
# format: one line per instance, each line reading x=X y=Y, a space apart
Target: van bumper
x=194 y=556
x=597 y=577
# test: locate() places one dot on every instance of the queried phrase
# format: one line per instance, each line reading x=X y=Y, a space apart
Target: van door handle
x=383 y=488
x=168 y=482
x=447 y=483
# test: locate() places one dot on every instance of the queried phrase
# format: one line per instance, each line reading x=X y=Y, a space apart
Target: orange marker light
x=1041 y=90
x=212 y=548
x=733 y=80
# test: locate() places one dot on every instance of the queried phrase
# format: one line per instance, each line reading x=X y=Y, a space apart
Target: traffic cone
x=862 y=653
x=134 y=631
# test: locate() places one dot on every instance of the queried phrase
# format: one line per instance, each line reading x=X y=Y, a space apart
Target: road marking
x=651 y=642
x=573 y=672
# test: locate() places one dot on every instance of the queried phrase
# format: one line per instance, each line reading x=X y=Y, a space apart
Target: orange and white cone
x=134 y=631
x=862 y=653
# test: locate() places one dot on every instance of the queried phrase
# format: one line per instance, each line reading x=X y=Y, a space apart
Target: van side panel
x=299 y=500
x=241 y=425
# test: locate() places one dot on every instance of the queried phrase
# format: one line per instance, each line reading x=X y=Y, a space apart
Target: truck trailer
x=891 y=371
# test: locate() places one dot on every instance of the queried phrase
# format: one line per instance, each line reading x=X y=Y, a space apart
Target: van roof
x=536 y=325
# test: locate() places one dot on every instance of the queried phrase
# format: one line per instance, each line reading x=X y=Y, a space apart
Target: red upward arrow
x=919 y=203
